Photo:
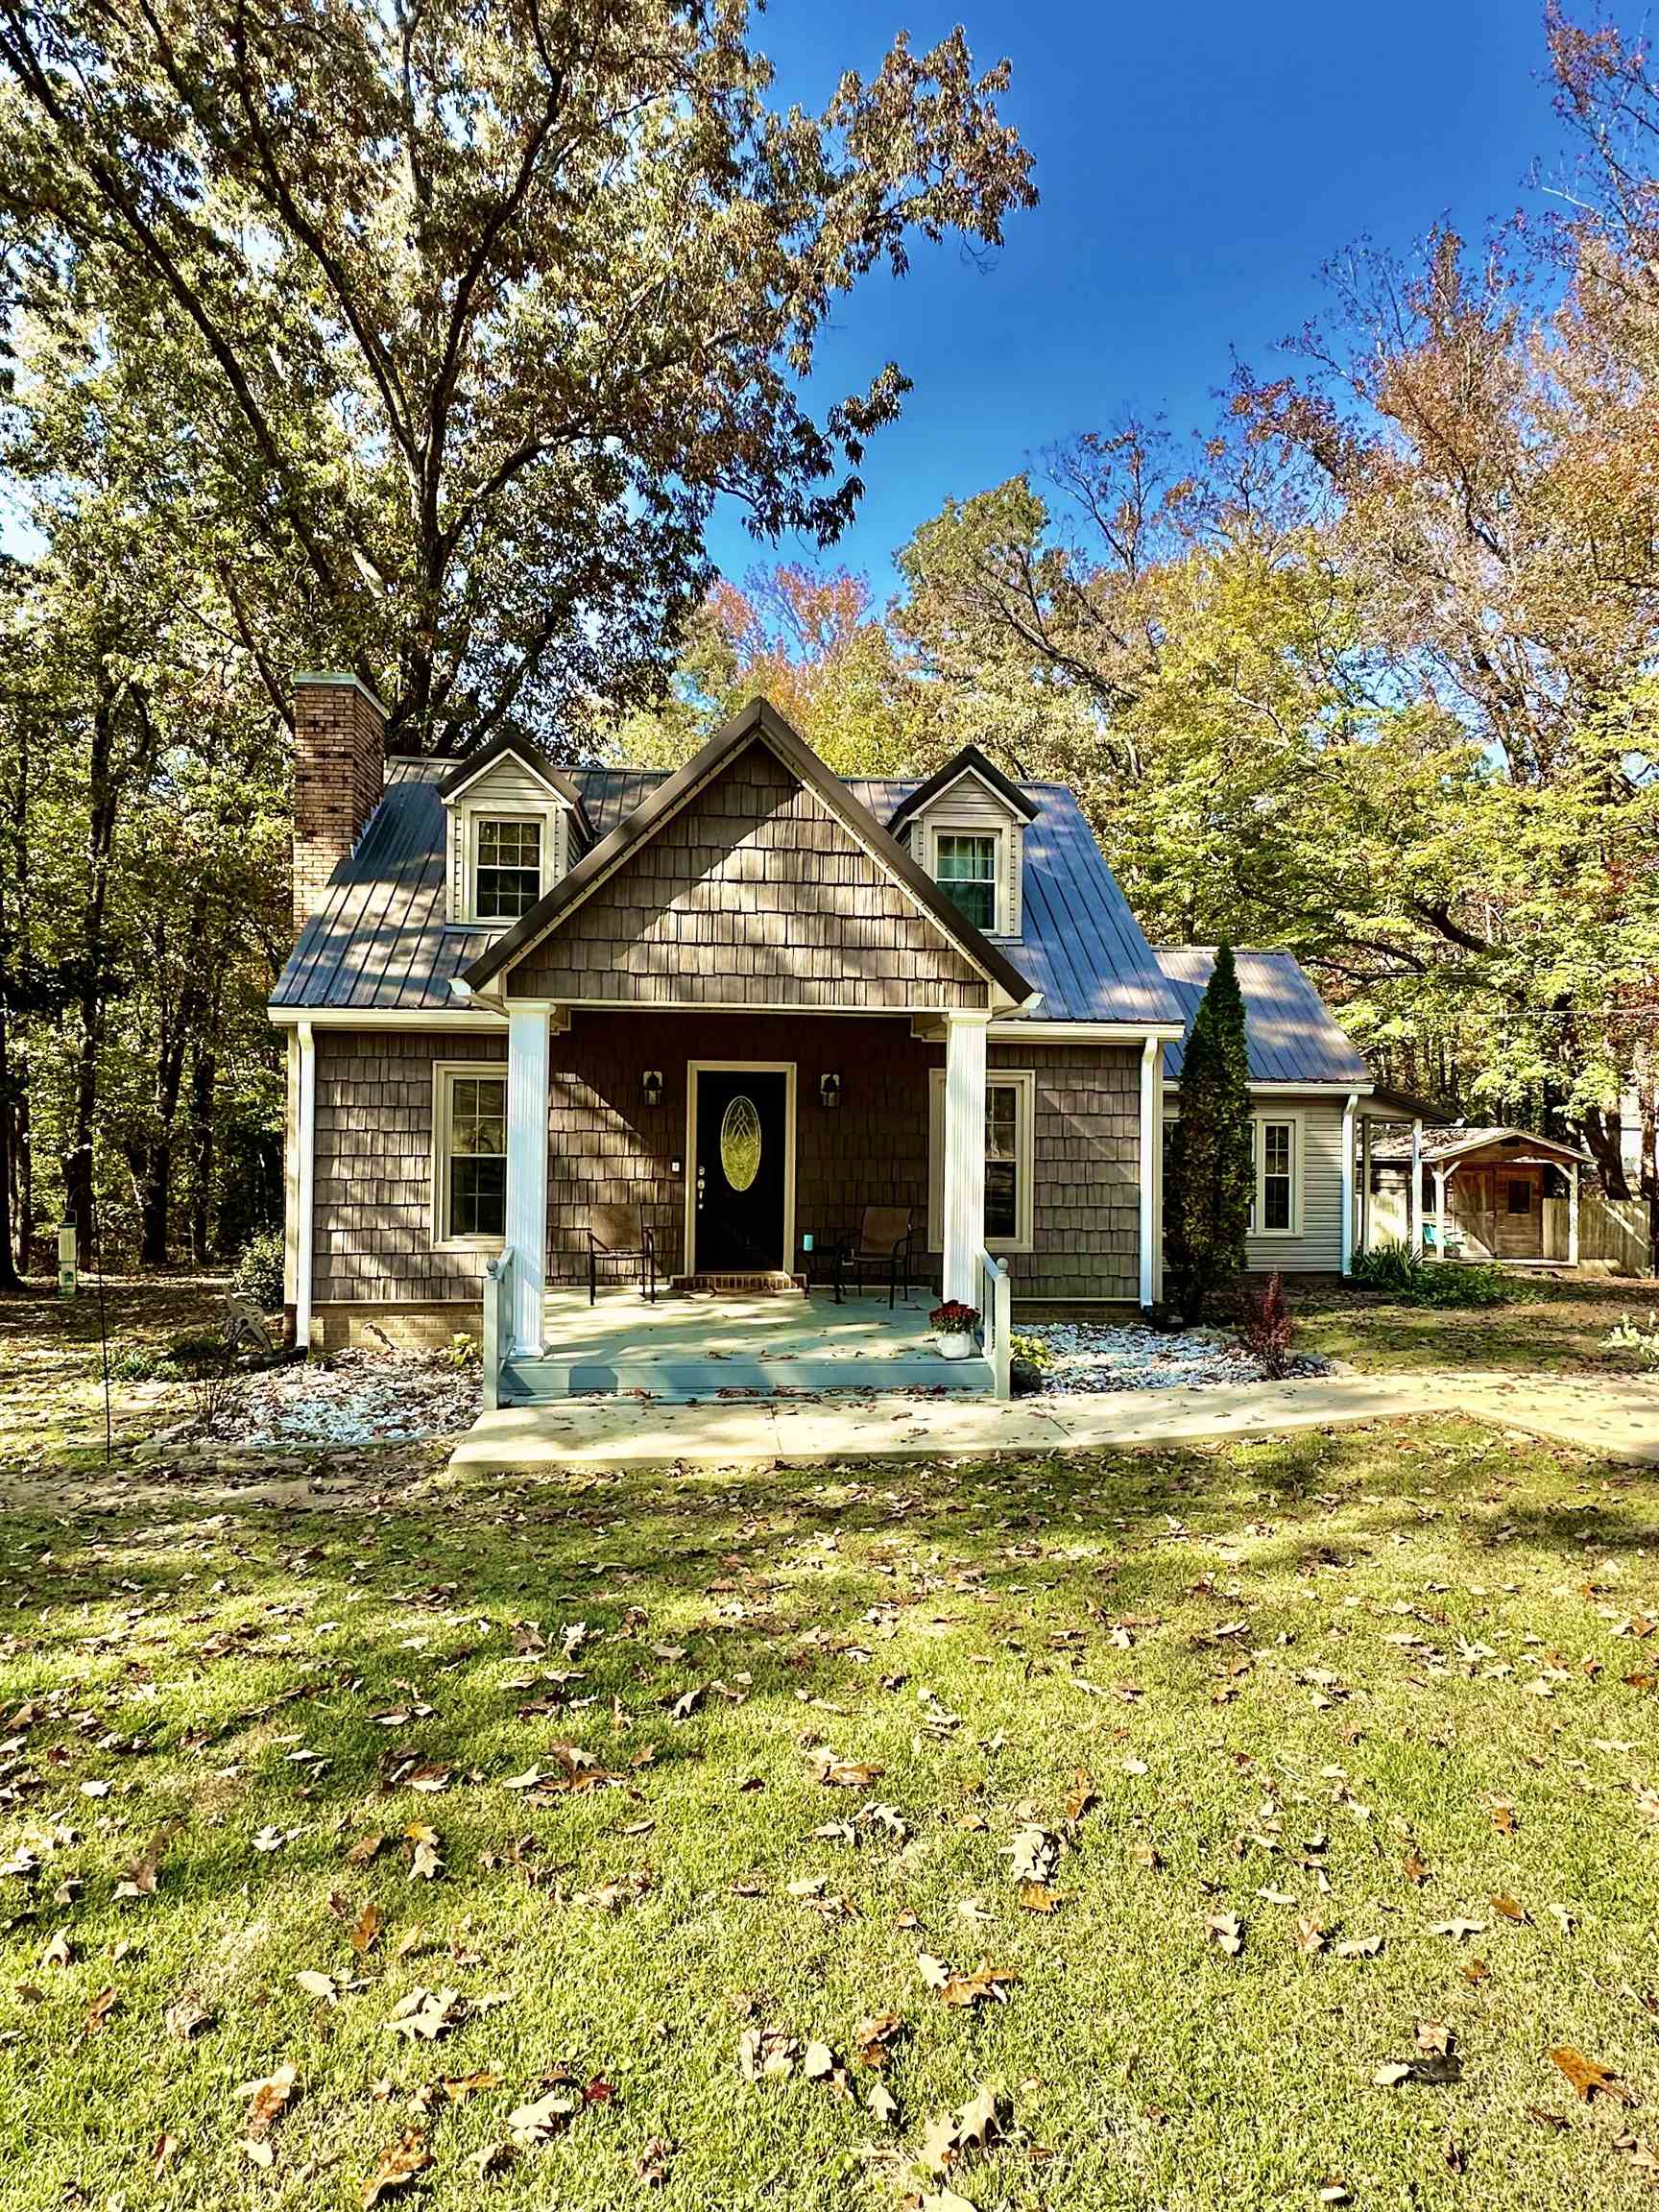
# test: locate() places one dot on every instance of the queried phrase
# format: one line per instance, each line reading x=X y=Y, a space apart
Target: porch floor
x=691 y=1347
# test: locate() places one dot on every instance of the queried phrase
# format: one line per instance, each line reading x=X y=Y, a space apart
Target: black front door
x=742 y=1170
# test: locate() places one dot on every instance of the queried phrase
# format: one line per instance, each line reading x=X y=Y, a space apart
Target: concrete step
x=677 y=1381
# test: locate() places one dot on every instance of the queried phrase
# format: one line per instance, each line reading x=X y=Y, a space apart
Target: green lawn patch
x=1179 y=1801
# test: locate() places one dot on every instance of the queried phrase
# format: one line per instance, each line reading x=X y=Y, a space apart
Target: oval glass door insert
x=740 y=1143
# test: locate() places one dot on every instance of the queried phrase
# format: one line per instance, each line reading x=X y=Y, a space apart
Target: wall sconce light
x=829 y=1089
x=653 y=1082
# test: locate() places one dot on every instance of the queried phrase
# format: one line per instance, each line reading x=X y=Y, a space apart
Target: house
x=749 y=1000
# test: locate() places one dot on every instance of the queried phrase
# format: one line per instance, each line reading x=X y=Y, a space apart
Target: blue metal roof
x=379 y=941
x=1290 y=1034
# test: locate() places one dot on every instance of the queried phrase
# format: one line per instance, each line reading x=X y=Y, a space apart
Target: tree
x=485 y=304
x=813 y=642
x=1209 y=1173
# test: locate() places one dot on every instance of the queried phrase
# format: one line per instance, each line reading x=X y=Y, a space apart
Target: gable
x=969 y=803
x=753 y=892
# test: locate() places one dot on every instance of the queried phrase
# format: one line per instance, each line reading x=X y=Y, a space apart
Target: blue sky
x=1198 y=161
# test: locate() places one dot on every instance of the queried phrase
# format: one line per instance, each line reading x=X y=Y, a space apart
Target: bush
x=258 y=1276
x=1267 y=1330
x=1404 y=1275
x=1632 y=1336
x=135 y=1364
x=190 y=1356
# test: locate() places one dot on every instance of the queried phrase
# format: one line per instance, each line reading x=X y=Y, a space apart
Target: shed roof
x=1463 y=1144
x=1291 y=1036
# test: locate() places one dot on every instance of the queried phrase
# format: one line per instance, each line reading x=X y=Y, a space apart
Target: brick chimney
x=339 y=774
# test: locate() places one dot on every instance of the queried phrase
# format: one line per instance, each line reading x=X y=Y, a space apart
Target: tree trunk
x=10 y=1279
x=1605 y=1141
x=152 y=1166
x=204 y=1078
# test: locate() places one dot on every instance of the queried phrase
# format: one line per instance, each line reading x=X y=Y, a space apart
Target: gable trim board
x=969 y=761
x=759 y=724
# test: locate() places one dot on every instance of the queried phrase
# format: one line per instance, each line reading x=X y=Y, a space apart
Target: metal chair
x=885 y=1244
x=620 y=1233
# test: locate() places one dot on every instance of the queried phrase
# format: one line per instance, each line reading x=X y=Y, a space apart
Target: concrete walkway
x=1611 y=1417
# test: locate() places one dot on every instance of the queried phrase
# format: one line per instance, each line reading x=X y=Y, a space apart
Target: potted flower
x=953 y=1325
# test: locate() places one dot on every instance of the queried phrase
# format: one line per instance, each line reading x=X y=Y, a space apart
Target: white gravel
x=355 y=1398
x=1100 y=1355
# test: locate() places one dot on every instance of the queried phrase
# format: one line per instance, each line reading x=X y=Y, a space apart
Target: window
x=1275 y=1145
x=506 y=881
x=1519 y=1195
x=470 y=1153
x=1010 y=1116
x=966 y=875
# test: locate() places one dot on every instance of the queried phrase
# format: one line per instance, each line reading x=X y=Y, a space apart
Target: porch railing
x=498 y=1333
x=997 y=1321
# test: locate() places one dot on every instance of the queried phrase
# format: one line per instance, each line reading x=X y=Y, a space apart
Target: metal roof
x=379 y=941
x=1078 y=943
x=1289 y=1032
x=1459 y=1144
x=758 y=723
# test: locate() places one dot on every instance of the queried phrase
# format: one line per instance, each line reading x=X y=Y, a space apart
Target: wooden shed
x=1491 y=1193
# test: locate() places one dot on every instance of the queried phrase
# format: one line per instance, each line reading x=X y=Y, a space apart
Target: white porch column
x=1573 y=1214
x=1439 y=1210
x=527 y=1030
x=1416 y=1214
x=1347 y=1182
x=964 y=1152
x=305 y=1186
x=1151 y=1144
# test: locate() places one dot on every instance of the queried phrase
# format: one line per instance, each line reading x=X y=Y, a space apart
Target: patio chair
x=885 y=1245
x=619 y=1232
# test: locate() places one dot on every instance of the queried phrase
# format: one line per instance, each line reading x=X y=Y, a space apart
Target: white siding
x=1319 y=1249
x=1317 y=1246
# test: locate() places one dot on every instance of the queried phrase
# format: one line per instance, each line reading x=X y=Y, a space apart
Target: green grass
x=1547 y=1328
x=1247 y=1650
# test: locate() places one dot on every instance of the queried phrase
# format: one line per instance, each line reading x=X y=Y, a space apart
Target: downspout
x=1351 y=1101
x=1151 y=1142
x=305 y=1207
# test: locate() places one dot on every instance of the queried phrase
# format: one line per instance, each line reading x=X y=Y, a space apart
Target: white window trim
x=1024 y=1081
x=999 y=841
x=1279 y=1117
x=466 y=822
x=444 y=1074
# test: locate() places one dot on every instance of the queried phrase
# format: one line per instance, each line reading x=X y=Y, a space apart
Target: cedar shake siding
x=753 y=893
x=373 y=1168
x=374 y=1235
x=1085 y=1213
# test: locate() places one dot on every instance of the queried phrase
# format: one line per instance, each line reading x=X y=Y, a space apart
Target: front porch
x=684 y=1349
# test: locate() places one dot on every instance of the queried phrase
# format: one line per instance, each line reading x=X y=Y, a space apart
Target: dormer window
x=968 y=874
x=516 y=825
x=966 y=827
x=507 y=872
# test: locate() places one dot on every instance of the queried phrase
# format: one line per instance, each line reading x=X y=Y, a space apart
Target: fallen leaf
x=547 y=2117
x=1589 y=2076
x=397 y=2166
x=1226 y=1931
x=425 y=2014
x=269 y=2099
x=366 y=1927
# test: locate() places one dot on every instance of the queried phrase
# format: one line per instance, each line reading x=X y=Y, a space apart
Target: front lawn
x=1253 y=1823
x=1548 y=1327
